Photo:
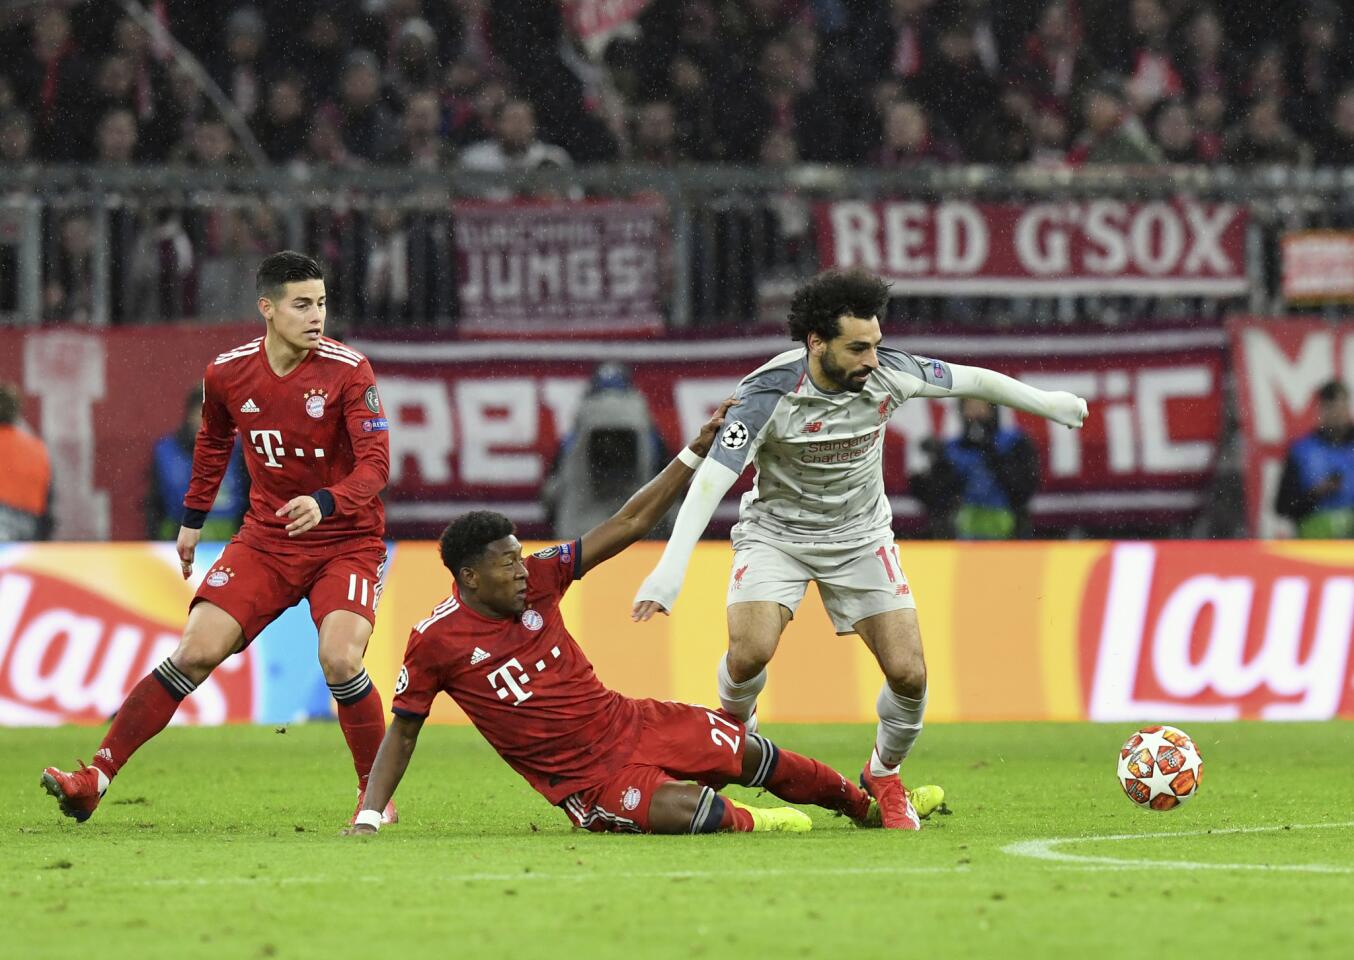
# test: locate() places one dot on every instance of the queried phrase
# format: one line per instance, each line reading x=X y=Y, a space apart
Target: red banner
x=1318 y=266
x=481 y=422
x=1044 y=249
x=1211 y=632
x=1279 y=366
x=559 y=269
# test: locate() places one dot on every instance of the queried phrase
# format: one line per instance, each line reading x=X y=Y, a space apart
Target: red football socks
x=801 y=779
x=735 y=819
x=364 y=726
x=145 y=712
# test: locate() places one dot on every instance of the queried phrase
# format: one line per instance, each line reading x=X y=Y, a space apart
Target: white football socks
x=740 y=699
x=900 y=722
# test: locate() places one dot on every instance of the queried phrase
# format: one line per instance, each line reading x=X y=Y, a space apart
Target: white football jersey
x=819 y=455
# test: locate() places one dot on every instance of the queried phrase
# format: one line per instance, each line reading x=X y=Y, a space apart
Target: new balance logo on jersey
x=479 y=656
x=249 y=406
x=813 y=427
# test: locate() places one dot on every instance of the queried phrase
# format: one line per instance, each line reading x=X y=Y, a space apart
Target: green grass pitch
x=224 y=843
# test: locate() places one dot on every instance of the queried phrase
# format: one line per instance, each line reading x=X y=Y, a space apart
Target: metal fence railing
x=100 y=246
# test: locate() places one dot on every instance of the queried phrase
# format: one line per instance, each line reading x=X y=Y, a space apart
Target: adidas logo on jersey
x=249 y=406
x=478 y=656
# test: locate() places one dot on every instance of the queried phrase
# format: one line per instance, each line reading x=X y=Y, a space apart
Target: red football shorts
x=254 y=586
x=677 y=741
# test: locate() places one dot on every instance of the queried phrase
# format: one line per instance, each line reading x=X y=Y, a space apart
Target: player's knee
x=340 y=664
x=673 y=808
x=197 y=656
x=906 y=675
x=746 y=660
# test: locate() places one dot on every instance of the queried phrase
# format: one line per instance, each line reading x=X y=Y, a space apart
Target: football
x=1160 y=768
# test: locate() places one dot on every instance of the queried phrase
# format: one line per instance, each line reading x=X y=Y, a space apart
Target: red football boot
x=895 y=806
x=77 y=793
x=388 y=815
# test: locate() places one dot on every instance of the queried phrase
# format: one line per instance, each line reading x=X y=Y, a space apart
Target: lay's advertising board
x=1022 y=631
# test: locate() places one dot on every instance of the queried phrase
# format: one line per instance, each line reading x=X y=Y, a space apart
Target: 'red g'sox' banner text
x=1040 y=249
x=482 y=422
x=1279 y=365
x=559 y=268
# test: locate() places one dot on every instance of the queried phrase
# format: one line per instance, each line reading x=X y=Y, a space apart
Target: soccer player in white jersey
x=813 y=421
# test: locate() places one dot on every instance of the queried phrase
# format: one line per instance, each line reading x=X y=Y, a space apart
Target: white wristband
x=370 y=818
x=688 y=457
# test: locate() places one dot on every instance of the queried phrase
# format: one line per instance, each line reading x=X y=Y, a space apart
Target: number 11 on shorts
x=719 y=736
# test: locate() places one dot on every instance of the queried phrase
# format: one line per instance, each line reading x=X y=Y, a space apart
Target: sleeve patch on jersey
x=735 y=436
x=402 y=683
x=375 y=426
x=372 y=399
x=547 y=553
x=566 y=553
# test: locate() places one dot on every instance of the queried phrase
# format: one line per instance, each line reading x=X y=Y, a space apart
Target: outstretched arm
x=983 y=384
x=646 y=507
x=391 y=762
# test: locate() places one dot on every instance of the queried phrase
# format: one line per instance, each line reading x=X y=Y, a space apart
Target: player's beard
x=839 y=376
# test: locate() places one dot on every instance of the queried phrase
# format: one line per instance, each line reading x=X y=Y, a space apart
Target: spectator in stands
x=1113 y=134
x=149 y=79
x=695 y=105
x=979 y=484
x=369 y=128
x=322 y=54
x=115 y=138
x=654 y=141
x=1054 y=67
x=463 y=117
x=1210 y=118
x=1316 y=489
x=16 y=140
x=1206 y=63
x=413 y=66
x=240 y=70
x=173 y=125
x=514 y=147
x=1317 y=66
x=324 y=148
x=1049 y=136
x=53 y=80
x=897 y=38
x=909 y=140
x=161 y=275
x=282 y=124
x=1336 y=147
x=114 y=89
x=68 y=293
x=1263 y=138
x=422 y=145
x=784 y=98
x=26 y=481
x=1152 y=73
x=1266 y=79
x=954 y=86
x=1173 y=130
x=234 y=240
x=212 y=146
x=171 y=468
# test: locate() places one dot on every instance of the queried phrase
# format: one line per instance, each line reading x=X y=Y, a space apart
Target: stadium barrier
x=1113 y=631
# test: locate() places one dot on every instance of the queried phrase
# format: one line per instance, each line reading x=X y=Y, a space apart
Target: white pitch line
x=582 y=875
x=1044 y=850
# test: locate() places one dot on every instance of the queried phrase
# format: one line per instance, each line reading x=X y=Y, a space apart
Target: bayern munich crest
x=630 y=799
x=220 y=577
x=532 y=620
x=315 y=403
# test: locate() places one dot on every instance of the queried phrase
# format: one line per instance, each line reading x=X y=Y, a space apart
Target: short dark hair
x=1331 y=391
x=818 y=304
x=464 y=541
x=286 y=266
x=9 y=404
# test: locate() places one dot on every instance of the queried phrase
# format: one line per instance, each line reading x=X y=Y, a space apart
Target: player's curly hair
x=463 y=543
x=283 y=267
x=818 y=305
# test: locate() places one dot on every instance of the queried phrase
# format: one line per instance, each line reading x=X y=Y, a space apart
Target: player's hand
x=1069 y=409
x=358 y=830
x=706 y=438
x=645 y=609
x=187 y=548
x=304 y=513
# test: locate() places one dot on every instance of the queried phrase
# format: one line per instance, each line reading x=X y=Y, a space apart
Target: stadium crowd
x=488 y=85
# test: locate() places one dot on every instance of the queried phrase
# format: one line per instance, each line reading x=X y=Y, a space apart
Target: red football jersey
x=525 y=684
x=321 y=427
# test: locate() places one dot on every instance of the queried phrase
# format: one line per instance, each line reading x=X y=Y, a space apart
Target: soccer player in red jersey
x=317 y=448
x=499 y=646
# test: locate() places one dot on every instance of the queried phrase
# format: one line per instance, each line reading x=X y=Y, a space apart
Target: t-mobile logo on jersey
x=514 y=678
x=268 y=444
